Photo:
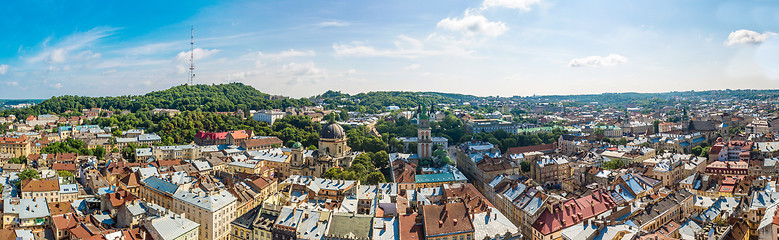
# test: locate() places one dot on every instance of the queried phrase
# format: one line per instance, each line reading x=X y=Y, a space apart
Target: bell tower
x=425 y=143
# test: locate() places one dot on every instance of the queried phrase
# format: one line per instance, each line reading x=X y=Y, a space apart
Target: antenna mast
x=191 y=79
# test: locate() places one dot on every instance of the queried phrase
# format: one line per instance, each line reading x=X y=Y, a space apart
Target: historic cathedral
x=332 y=152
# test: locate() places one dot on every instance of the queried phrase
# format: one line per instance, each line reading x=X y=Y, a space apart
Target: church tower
x=425 y=143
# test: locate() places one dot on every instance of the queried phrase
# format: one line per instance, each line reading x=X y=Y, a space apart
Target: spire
x=423 y=112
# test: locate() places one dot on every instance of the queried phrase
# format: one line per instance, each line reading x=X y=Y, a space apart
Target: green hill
x=207 y=98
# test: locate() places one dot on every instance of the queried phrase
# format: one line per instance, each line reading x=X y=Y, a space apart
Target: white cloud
x=295 y=73
x=523 y=5
x=240 y=76
x=405 y=47
x=412 y=67
x=12 y=83
x=182 y=58
x=57 y=85
x=148 y=49
x=744 y=36
x=57 y=56
x=3 y=69
x=200 y=53
x=598 y=61
x=473 y=24
x=333 y=24
x=288 y=54
x=60 y=52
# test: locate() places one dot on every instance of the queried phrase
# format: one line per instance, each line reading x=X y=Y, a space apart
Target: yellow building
x=18 y=146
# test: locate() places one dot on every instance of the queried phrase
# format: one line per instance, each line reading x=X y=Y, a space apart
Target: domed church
x=332 y=152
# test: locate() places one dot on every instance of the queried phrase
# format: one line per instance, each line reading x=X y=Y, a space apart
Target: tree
x=614 y=164
x=656 y=126
x=19 y=160
x=525 y=166
x=65 y=174
x=697 y=150
x=380 y=159
x=128 y=152
x=99 y=152
x=705 y=152
x=598 y=132
x=29 y=173
x=374 y=178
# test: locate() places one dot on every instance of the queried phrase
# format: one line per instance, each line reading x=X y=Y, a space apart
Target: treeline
x=208 y=98
x=181 y=128
x=374 y=102
x=505 y=140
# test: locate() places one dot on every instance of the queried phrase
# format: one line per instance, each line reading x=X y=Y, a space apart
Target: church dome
x=332 y=131
x=297 y=145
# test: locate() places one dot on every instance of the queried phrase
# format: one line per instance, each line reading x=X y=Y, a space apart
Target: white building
x=268 y=116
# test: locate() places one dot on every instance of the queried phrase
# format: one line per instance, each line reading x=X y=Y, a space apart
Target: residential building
x=550 y=170
x=25 y=213
x=212 y=209
x=48 y=189
x=674 y=207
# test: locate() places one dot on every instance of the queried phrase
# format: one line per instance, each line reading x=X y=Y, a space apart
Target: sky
x=304 y=48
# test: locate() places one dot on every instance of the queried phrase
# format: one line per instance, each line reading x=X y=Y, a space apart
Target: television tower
x=191 y=79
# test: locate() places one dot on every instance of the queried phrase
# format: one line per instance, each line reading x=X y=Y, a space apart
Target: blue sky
x=304 y=48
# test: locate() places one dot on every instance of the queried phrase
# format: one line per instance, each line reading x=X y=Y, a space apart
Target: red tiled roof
x=7 y=234
x=211 y=135
x=58 y=208
x=61 y=157
x=262 y=142
x=131 y=180
x=573 y=211
x=409 y=229
x=80 y=232
x=468 y=193
x=536 y=148
x=118 y=198
x=167 y=163
x=239 y=134
x=405 y=172
x=262 y=182
x=446 y=219
x=13 y=140
x=65 y=221
x=64 y=166
x=36 y=185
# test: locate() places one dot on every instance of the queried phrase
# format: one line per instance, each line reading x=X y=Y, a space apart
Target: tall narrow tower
x=425 y=143
x=191 y=79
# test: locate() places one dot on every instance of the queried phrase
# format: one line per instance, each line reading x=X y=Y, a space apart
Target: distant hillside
x=372 y=102
x=209 y=98
x=7 y=103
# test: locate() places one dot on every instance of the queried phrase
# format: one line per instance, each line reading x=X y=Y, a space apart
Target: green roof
x=297 y=145
x=435 y=177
